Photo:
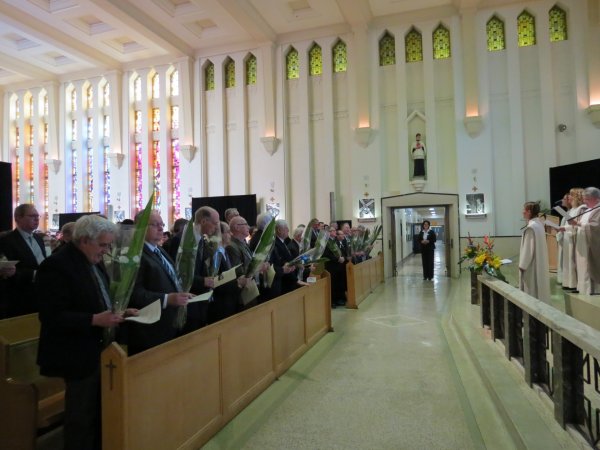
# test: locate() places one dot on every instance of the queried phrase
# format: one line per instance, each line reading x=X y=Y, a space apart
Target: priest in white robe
x=566 y=204
x=569 y=268
x=534 y=278
x=589 y=230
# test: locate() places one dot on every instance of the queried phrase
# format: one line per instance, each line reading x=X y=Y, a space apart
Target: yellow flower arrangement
x=482 y=258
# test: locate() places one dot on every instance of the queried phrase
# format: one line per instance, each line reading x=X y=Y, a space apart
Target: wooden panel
x=362 y=279
x=317 y=323
x=288 y=336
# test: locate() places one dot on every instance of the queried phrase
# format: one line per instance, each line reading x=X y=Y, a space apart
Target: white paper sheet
x=250 y=292
x=562 y=212
x=506 y=261
x=551 y=224
x=226 y=276
x=201 y=298
x=148 y=314
x=5 y=264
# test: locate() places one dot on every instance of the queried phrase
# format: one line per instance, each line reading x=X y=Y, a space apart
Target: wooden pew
x=362 y=279
x=179 y=394
x=30 y=402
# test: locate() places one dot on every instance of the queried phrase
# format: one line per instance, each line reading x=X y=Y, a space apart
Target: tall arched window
x=495 y=34
x=230 y=73
x=558 y=24
x=414 y=46
x=340 y=57
x=106 y=94
x=292 y=64
x=526 y=29
x=156 y=86
x=387 y=50
x=209 y=77
x=90 y=96
x=137 y=89
x=251 y=70
x=441 y=43
x=315 y=57
x=174 y=83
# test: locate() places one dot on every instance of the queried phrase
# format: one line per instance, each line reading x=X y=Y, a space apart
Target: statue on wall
x=418 y=154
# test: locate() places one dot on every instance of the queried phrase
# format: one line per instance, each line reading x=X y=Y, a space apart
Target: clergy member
x=533 y=256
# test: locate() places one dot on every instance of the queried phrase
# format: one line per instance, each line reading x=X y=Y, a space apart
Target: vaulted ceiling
x=49 y=39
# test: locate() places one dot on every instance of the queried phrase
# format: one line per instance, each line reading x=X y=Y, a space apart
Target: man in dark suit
x=22 y=245
x=75 y=310
x=156 y=280
x=295 y=243
x=286 y=279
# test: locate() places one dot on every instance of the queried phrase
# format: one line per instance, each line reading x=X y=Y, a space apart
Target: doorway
x=406 y=248
x=399 y=219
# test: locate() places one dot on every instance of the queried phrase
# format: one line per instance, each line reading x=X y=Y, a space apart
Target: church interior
x=377 y=112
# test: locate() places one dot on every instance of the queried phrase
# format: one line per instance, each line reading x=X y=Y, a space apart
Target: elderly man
x=75 y=310
x=286 y=279
x=588 y=243
x=230 y=213
x=66 y=235
x=156 y=280
x=22 y=245
x=295 y=244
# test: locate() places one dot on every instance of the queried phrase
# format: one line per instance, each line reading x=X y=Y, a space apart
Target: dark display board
x=6 y=206
x=72 y=217
x=245 y=204
x=582 y=175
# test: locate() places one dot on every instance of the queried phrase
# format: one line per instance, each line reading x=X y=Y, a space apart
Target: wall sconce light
x=270 y=143
x=473 y=125
x=594 y=114
x=364 y=136
x=188 y=152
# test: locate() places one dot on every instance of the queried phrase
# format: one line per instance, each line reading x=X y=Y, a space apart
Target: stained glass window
x=74 y=177
x=155 y=119
x=74 y=130
x=414 y=46
x=526 y=29
x=106 y=160
x=230 y=73
x=174 y=117
x=441 y=43
x=46 y=105
x=156 y=86
x=106 y=126
x=315 y=57
x=45 y=133
x=17 y=109
x=387 y=50
x=340 y=57
x=292 y=64
x=46 y=189
x=138 y=122
x=495 y=34
x=137 y=89
x=31 y=135
x=73 y=100
x=174 y=80
x=106 y=94
x=138 y=176
x=90 y=97
x=558 y=24
x=176 y=183
x=17 y=164
x=90 y=163
x=251 y=70
x=30 y=104
x=30 y=176
x=156 y=172
x=209 y=76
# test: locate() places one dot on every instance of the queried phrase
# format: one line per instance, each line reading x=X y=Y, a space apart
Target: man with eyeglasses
x=156 y=280
x=24 y=246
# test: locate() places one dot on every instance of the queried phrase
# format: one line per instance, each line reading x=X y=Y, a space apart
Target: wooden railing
x=29 y=402
x=559 y=353
x=362 y=279
x=178 y=395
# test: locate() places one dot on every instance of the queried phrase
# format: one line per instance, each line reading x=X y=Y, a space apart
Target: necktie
x=102 y=287
x=35 y=248
x=167 y=266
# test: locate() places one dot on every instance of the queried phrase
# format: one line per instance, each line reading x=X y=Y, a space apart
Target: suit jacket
x=19 y=288
x=284 y=282
x=431 y=237
x=239 y=253
x=152 y=283
x=69 y=345
x=294 y=248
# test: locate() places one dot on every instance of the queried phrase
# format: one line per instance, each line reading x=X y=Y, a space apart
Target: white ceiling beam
x=146 y=26
x=19 y=67
x=55 y=37
x=246 y=15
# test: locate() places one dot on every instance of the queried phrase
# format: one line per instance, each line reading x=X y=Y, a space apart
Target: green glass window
x=251 y=70
x=495 y=35
x=315 y=56
x=230 y=73
x=441 y=42
x=209 y=77
x=387 y=50
x=414 y=46
x=340 y=57
x=526 y=29
x=292 y=64
x=558 y=24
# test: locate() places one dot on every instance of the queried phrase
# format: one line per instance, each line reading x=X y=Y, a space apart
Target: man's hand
x=288 y=269
x=209 y=282
x=131 y=312
x=178 y=298
x=241 y=281
x=106 y=319
x=7 y=272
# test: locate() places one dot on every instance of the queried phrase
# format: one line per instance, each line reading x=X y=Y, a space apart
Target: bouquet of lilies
x=185 y=265
x=482 y=258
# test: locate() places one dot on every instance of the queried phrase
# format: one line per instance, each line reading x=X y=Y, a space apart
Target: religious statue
x=418 y=155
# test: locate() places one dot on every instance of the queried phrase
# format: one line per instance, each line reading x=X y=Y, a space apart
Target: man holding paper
x=75 y=309
x=156 y=280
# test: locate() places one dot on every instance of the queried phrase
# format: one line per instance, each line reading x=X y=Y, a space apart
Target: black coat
x=431 y=237
x=69 y=345
x=19 y=290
